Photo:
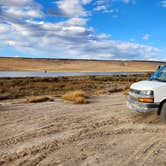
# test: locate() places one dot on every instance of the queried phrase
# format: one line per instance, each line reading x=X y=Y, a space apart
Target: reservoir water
x=62 y=74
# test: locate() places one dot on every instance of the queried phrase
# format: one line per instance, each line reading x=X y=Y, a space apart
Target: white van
x=150 y=95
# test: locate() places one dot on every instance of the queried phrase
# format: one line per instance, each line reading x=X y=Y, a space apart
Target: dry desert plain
x=68 y=65
x=102 y=132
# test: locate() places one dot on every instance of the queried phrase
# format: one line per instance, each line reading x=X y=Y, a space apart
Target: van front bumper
x=142 y=107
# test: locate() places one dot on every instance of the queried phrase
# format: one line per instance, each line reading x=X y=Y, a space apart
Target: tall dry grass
x=126 y=92
x=77 y=96
x=22 y=87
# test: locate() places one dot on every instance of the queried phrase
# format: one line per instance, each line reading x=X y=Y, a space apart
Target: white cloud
x=71 y=38
x=3 y=28
x=106 y=6
x=70 y=8
x=100 y=2
x=103 y=8
x=16 y=3
x=100 y=8
x=23 y=12
x=103 y=36
x=74 y=40
x=86 y=1
x=76 y=21
x=146 y=37
x=124 y=1
x=15 y=9
x=163 y=3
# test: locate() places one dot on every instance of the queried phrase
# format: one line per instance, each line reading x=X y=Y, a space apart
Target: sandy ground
x=23 y=64
x=103 y=132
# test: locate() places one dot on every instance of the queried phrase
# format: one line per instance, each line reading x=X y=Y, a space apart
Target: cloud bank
x=25 y=27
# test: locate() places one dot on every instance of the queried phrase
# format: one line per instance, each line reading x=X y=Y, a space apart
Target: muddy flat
x=103 y=132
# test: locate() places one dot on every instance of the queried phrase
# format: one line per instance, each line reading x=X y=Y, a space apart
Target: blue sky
x=86 y=29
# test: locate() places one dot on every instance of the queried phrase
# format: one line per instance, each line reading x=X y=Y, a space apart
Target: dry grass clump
x=116 y=89
x=126 y=92
x=77 y=97
x=101 y=92
x=36 y=99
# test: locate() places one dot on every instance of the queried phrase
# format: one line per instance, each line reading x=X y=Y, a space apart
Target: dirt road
x=103 y=132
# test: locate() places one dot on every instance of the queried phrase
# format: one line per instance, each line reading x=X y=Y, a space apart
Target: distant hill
x=74 y=65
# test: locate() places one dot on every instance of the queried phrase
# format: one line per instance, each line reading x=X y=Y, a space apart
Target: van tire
x=163 y=113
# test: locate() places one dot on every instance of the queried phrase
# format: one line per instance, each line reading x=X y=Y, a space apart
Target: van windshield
x=159 y=75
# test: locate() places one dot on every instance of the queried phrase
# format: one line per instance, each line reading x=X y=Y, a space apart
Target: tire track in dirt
x=101 y=134
x=150 y=151
x=32 y=150
x=143 y=152
x=62 y=132
x=46 y=148
x=47 y=130
x=54 y=129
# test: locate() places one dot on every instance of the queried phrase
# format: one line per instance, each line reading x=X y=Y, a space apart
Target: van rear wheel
x=163 y=113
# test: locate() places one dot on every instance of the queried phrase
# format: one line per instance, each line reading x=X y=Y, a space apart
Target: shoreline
x=45 y=74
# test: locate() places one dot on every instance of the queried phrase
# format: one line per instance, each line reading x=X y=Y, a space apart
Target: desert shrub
x=116 y=89
x=80 y=100
x=101 y=92
x=22 y=87
x=126 y=92
x=93 y=78
x=77 y=96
